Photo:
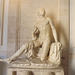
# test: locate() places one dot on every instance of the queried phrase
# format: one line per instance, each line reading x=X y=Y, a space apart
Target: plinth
x=28 y=67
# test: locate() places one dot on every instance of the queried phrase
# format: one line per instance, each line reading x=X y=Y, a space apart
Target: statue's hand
x=35 y=32
x=59 y=44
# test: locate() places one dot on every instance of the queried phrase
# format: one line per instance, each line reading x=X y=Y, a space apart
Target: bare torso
x=44 y=29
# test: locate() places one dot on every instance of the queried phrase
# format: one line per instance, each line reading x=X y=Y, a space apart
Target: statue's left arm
x=55 y=47
x=53 y=30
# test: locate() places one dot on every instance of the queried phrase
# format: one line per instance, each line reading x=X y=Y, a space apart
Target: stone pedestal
x=26 y=68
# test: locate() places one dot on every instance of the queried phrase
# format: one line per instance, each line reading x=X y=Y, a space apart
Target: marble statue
x=41 y=39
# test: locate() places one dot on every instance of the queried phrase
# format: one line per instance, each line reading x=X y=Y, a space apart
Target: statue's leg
x=17 y=54
x=33 y=51
x=25 y=48
x=45 y=49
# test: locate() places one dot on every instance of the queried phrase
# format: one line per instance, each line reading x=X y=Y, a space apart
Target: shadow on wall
x=3 y=70
x=71 y=63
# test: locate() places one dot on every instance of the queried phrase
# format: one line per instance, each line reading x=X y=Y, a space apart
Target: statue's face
x=41 y=13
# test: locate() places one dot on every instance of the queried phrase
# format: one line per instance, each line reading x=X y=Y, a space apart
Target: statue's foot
x=5 y=60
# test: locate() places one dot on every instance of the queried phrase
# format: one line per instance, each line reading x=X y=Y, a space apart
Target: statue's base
x=25 y=67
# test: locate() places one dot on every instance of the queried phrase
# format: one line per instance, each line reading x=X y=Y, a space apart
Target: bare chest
x=43 y=25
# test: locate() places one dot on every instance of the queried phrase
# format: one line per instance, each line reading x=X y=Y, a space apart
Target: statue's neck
x=42 y=18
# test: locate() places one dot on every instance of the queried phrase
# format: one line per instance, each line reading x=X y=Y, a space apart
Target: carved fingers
x=36 y=31
x=59 y=45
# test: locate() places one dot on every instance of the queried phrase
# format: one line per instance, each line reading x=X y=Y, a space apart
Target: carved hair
x=42 y=12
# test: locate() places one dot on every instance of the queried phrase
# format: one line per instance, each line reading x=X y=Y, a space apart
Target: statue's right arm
x=35 y=31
